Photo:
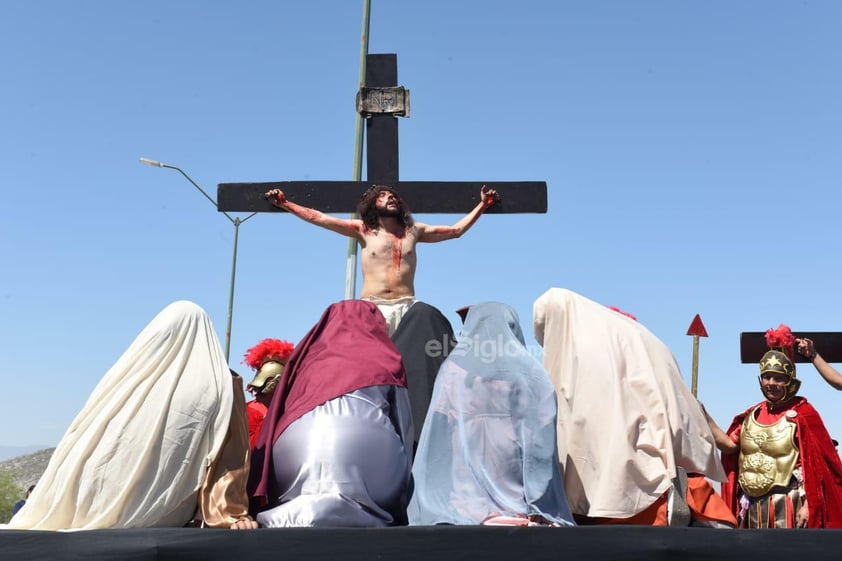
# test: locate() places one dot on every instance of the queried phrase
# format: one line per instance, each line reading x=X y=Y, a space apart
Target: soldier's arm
x=723 y=441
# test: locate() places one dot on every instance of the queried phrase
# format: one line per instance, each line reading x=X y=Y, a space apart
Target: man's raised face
x=387 y=204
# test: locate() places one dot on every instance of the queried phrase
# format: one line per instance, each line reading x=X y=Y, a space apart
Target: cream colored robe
x=626 y=418
x=151 y=437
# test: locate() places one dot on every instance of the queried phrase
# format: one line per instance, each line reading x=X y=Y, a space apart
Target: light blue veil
x=488 y=445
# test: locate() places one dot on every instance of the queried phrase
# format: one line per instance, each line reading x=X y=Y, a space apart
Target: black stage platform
x=441 y=543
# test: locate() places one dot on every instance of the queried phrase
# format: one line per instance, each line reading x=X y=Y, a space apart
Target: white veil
x=136 y=455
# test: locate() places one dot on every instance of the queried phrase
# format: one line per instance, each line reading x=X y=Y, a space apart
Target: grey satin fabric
x=345 y=463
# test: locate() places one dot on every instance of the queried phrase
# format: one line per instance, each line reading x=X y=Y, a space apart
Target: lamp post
x=236 y=221
x=351 y=260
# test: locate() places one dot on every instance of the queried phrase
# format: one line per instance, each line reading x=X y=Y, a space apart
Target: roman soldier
x=783 y=470
x=268 y=359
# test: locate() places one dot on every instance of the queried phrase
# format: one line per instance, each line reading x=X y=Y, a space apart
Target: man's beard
x=387 y=212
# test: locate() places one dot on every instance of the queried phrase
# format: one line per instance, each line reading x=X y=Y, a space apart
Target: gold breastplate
x=768 y=455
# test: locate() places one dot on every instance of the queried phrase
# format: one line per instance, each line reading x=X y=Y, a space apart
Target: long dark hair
x=367 y=208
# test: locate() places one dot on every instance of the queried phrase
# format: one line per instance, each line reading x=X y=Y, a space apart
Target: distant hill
x=9 y=452
x=27 y=469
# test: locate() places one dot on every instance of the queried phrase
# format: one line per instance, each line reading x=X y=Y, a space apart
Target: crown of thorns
x=377 y=189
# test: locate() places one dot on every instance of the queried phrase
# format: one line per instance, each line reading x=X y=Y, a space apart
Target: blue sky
x=691 y=152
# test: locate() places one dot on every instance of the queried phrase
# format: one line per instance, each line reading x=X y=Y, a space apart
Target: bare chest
x=383 y=245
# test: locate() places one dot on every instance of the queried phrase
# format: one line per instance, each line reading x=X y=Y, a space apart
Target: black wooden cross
x=449 y=197
x=827 y=343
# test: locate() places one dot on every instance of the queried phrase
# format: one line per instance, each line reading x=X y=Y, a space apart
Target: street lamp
x=236 y=222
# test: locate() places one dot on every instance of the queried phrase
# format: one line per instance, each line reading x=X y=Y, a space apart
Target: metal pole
x=231 y=291
x=236 y=222
x=351 y=264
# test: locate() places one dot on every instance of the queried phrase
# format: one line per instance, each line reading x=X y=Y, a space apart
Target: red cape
x=255 y=412
x=346 y=350
x=820 y=465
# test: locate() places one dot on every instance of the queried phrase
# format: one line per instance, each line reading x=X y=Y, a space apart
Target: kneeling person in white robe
x=161 y=441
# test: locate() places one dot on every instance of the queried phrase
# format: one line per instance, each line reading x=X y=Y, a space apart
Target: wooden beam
x=422 y=197
x=381 y=130
x=828 y=344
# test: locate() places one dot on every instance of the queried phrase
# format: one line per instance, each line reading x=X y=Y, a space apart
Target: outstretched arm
x=432 y=234
x=350 y=228
x=829 y=373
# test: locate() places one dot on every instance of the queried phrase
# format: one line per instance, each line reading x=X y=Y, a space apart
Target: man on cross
x=387 y=234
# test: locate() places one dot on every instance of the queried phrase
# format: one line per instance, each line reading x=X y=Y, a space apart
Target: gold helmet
x=778 y=359
x=267 y=376
x=268 y=358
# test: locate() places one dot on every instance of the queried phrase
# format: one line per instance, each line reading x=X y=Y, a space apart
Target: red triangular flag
x=697 y=328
